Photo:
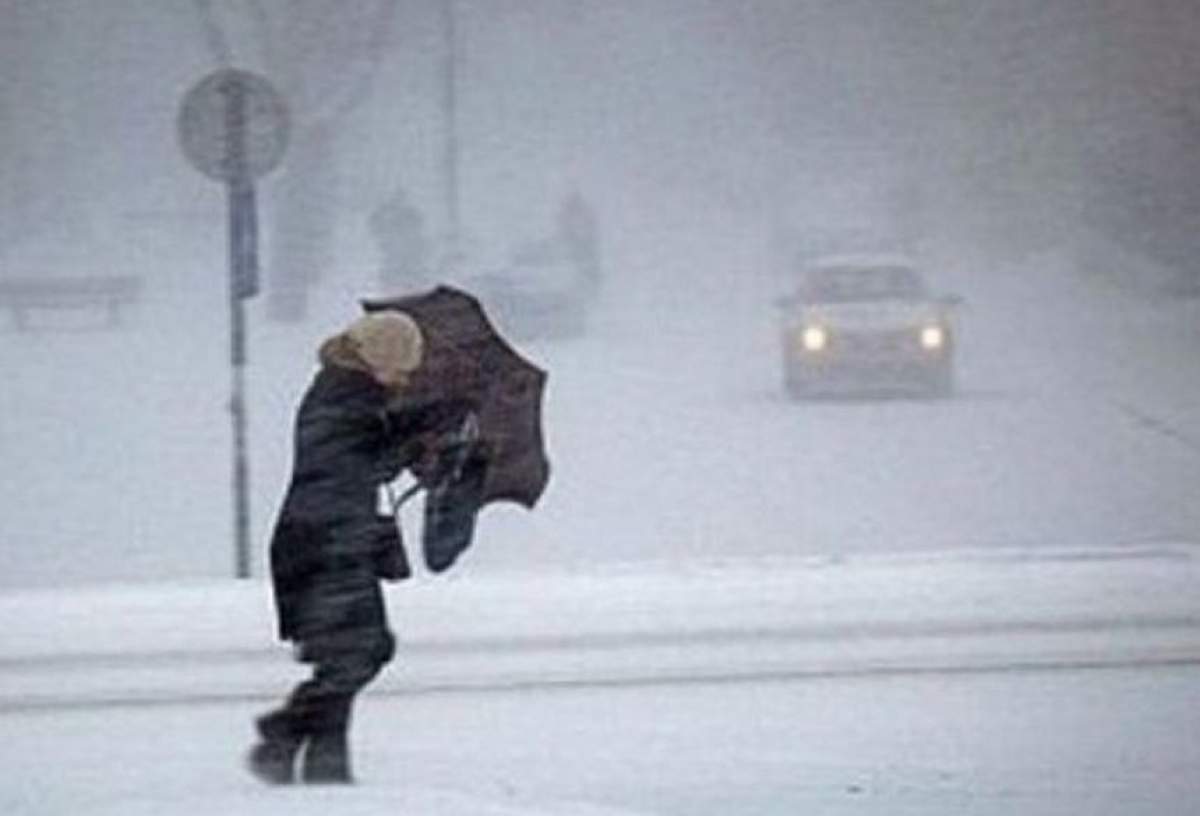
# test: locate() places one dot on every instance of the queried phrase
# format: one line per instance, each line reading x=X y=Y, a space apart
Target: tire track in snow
x=43 y=705
x=1155 y=425
x=795 y=654
x=608 y=641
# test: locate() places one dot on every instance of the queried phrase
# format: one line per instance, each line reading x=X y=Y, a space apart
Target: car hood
x=875 y=315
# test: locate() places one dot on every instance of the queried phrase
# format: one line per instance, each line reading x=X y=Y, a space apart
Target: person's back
x=340 y=430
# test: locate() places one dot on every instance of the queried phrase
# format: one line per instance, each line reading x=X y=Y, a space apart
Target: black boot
x=273 y=759
x=327 y=758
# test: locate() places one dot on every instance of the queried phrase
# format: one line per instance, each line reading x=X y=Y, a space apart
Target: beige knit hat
x=390 y=343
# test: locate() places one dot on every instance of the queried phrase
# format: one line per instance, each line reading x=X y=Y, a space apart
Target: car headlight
x=814 y=338
x=933 y=337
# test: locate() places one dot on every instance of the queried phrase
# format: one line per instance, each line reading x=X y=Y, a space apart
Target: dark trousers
x=317 y=714
x=339 y=673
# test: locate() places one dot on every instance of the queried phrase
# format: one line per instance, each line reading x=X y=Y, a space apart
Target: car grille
x=876 y=342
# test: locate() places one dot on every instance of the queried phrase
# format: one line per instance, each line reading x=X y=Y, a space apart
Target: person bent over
x=330 y=549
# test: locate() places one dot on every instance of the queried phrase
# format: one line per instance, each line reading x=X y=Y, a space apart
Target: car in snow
x=866 y=325
x=539 y=293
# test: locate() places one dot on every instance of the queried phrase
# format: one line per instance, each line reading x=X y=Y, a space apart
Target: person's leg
x=327 y=753
x=328 y=703
x=317 y=717
x=273 y=758
x=346 y=638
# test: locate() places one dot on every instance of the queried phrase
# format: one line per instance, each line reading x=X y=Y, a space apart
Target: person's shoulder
x=334 y=383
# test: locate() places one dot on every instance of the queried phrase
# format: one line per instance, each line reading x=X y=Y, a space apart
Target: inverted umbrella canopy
x=467 y=359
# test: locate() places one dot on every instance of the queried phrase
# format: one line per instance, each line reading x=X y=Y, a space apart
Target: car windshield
x=847 y=283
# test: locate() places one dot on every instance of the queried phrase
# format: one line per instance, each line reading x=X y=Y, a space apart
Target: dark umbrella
x=467 y=359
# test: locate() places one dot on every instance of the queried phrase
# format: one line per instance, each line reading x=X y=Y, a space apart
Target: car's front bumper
x=875 y=364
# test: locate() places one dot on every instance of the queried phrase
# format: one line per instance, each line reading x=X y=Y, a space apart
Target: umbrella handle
x=397 y=500
x=468 y=433
x=464 y=443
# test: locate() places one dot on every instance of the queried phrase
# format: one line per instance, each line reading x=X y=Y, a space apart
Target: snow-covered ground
x=632 y=623
x=1108 y=743
x=956 y=683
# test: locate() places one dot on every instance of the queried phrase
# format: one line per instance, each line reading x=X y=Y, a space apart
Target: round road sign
x=233 y=125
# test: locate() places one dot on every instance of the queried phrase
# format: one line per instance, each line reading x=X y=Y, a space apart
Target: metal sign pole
x=241 y=468
x=233 y=127
x=237 y=400
x=235 y=131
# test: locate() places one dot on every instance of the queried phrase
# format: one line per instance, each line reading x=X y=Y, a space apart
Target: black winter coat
x=330 y=547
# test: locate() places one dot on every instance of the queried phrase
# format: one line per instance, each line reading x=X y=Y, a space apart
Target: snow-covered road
x=941 y=684
x=960 y=611
x=1101 y=742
